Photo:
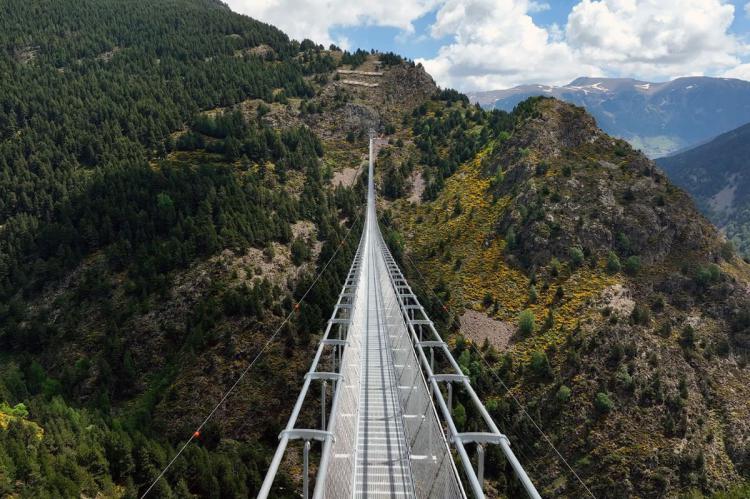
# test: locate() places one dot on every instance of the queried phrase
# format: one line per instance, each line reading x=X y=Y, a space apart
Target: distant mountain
x=717 y=174
x=658 y=118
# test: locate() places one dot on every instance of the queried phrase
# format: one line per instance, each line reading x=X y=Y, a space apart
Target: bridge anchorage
x=389 y=430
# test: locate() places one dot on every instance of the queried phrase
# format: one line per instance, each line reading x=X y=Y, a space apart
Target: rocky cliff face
x=636 y=363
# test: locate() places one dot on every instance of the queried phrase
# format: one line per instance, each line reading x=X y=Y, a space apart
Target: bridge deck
x=384 y=437
x=382 y=465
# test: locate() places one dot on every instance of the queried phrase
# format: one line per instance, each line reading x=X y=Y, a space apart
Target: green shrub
x=300 y=251
x=624 y=378
x=623 y=243
x=705 y=276
x=549 y=321
x=640 y=315
x=269 y=252
x=613 y=263
x=665 y=330
x=459 y=415
x=602 y=403
x=633 y=265
x=487 y=300
x=563 y=394
x=533 y=295
x=554 y=267
x=658 y=304
x=576 y=256
x=687 y=337
x=727 y=250
x=19 y=410
x=526 y=322
x=510 y=239
x=540 y=364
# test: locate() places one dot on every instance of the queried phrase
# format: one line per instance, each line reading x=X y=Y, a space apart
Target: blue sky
x=421 y=45
x=389 y=39
x=487 y=44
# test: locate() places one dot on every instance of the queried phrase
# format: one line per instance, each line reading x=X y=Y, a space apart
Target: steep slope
x=169 y=192
x=609 y=306
x=717 y=175
x=659 y=118
x=166 y=198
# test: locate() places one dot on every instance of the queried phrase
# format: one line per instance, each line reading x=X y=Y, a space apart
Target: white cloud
x=497 y=44
x=538 y=6
x=314 y=18
x=741 y=71
x=654 y=38
x=747 y=9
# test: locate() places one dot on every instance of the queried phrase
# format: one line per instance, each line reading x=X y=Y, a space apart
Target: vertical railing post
x=306 y=466
x=323 y=404
x=450 y=397
x=480 y=465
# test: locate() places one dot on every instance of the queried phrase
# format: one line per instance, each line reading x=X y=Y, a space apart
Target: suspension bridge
x=387 y=383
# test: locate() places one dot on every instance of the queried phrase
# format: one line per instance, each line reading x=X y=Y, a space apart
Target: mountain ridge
x=659 y=118
x=563 y=224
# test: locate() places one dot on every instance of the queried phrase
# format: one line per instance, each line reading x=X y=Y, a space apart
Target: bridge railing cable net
x=390 y=430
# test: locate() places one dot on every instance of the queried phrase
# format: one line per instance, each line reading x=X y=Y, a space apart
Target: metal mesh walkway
x=382 y=454
x=384 y=436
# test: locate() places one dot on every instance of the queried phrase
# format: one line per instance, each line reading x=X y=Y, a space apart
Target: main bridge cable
x=268 y=342
x=489 y=366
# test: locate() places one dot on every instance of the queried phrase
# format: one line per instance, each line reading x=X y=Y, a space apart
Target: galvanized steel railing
x=413 y=353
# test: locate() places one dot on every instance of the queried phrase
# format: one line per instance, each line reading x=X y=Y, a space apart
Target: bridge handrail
x=408 y=310
x=290 y=432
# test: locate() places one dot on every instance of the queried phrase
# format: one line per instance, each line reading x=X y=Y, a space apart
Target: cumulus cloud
x=496 y=43
x=538 y=6
x=747 y=9
x=741 y=71
x=314 y=18
x=653 y=38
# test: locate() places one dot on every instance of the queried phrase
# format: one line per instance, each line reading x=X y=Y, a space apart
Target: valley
x=173 y=198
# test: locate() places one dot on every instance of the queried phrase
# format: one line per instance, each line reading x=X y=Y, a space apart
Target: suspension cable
x=247 y=369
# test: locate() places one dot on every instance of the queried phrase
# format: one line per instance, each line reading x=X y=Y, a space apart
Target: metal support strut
x=389 y=428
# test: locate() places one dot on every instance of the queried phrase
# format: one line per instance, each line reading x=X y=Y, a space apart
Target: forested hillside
x=151 y=238
x=86 y=92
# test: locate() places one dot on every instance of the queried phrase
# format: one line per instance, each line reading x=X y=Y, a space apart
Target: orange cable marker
x=197 y=434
